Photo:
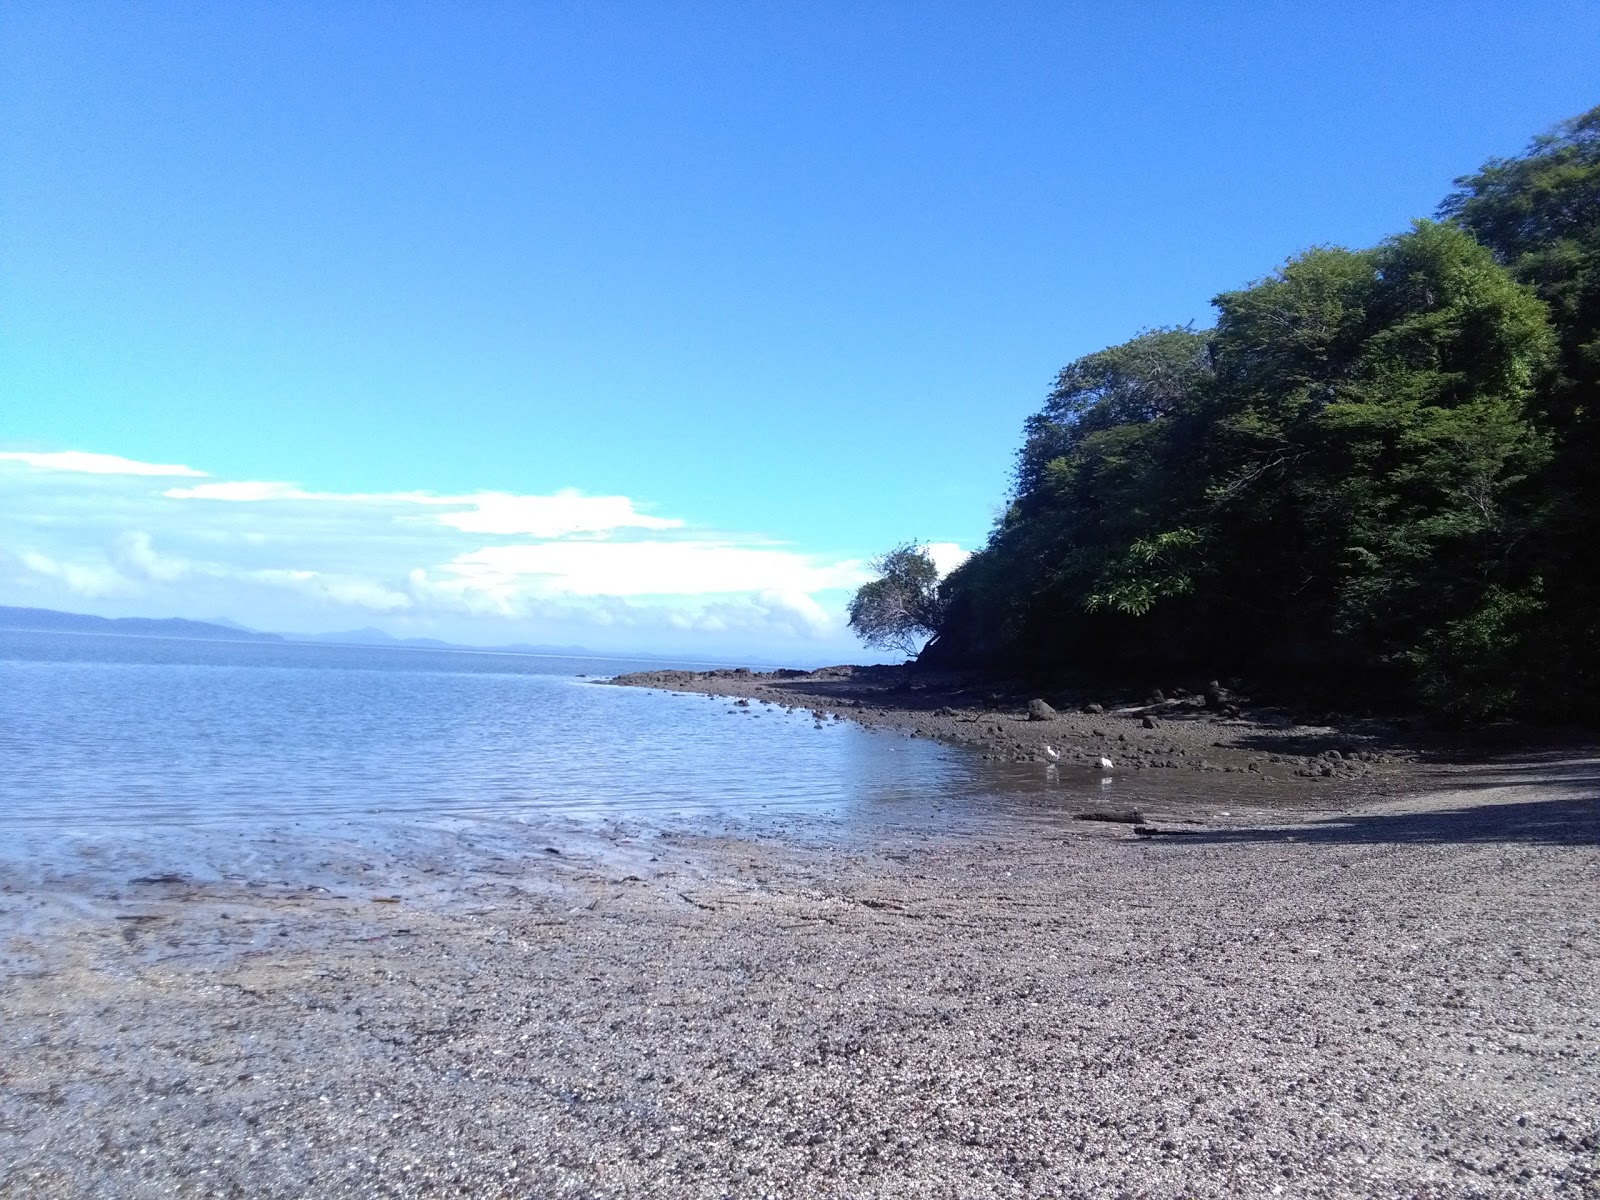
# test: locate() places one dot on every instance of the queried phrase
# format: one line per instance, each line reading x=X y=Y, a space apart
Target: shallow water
x=99 y=731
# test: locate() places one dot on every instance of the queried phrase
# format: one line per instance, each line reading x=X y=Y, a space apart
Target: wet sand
x=1330 y=994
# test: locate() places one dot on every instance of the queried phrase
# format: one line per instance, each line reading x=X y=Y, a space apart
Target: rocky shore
x=1209 y=728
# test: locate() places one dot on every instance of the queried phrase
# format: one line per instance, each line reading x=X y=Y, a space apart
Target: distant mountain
x=48 y=620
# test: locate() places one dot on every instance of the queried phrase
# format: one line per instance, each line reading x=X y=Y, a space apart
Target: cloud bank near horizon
x=120 y=536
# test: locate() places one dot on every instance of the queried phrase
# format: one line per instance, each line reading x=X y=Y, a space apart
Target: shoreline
x=990 y=716
x=1389 y=997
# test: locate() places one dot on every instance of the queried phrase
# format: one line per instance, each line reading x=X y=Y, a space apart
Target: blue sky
x=644 y=326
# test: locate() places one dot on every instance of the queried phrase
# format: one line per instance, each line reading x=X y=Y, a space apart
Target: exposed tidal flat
x=1382 y=981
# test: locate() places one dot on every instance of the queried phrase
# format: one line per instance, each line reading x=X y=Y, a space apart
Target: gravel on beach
x=1389 y=999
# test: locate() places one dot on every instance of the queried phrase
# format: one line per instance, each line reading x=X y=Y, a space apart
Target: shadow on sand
x=1564 y=811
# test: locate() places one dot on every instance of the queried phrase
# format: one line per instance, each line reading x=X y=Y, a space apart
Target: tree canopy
x=1376 y=470
x=901 y=608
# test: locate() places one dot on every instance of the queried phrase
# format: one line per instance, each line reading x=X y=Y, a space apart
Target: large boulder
x=1038 y=710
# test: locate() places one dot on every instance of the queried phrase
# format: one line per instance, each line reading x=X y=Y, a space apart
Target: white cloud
x=241 y=492
x=566 y=512
x=481 y=565
x=347 y=590
x=84 y=463
x=643 y=568
x=265 y=491
x=135 y=554
x=559 y=514
x=80 y=579
x=947 y=556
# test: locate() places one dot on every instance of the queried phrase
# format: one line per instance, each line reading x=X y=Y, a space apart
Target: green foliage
x=1150 y=569
x=1378 y=464
x=1147 y=379
x=901 y=608
x=1540 y=215
x=1478 y=666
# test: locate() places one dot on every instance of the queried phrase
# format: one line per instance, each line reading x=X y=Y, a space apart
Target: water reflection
x=102 y=731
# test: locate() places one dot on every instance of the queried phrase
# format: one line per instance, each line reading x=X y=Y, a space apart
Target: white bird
x=1105 y=764
x=1051 y=754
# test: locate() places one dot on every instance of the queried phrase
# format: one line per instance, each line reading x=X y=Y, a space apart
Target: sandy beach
x=1344 y=990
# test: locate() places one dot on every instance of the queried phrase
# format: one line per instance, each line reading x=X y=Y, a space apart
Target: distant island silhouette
x=49 y=620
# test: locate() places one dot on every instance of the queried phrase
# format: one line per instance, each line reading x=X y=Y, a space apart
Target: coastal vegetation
x=1375 y=475
x=901 y=608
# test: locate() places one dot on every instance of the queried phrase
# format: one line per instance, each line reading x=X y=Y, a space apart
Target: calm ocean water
x=98 y=730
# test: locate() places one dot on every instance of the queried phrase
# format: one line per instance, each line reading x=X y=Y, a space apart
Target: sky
x=645 y=327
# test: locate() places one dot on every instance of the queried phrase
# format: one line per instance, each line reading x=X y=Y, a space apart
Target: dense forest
x=1375 y=477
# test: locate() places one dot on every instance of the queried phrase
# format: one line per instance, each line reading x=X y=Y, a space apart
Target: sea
x=99 y=731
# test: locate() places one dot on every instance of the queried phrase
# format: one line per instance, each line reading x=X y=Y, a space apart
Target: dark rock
x=1093 y=709
x=1131 y=817
x=1038 y=710
x=1157 y=697
x=1150 y=723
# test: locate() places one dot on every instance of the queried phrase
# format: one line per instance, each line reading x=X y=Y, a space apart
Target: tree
x=1540 y=214
x=1096 y=529
x=1331 y=480
x=1375 y=433
x=1376 y=475
x=1148 y=379
x=900 y=609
